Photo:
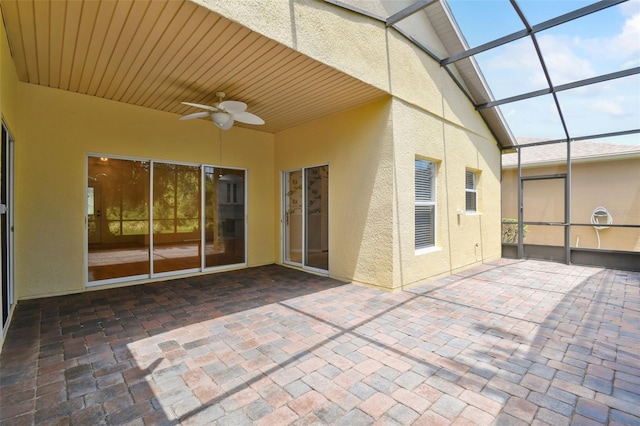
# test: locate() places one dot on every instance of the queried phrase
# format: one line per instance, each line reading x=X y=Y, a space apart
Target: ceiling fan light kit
x=220 y=118
x=224 y=113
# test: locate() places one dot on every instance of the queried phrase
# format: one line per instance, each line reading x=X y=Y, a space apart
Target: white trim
x=283 y=212
x=246 y=216
x=473 y=190
x=433 y=202
x=123 y=280
x=203 y=256
x=151 y=233
x=427 y=250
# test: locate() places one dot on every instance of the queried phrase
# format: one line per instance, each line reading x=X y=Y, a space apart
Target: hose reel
x=600 y=219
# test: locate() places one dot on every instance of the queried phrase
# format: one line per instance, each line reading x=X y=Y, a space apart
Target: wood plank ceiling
x=156 y=54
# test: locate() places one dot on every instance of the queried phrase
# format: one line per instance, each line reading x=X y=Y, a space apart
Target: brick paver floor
x=510 y=342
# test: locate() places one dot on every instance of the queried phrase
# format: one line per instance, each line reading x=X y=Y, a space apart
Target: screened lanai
x=558 y=83
x=412 y=153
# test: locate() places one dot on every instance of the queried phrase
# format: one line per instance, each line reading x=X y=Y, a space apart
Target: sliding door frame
x=284 y=220
x=7 y=217
x=202 y=245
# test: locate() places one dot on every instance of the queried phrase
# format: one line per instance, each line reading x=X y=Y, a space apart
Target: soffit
x=156 y=54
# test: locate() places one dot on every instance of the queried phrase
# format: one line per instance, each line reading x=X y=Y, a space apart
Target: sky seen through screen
x=600 y=43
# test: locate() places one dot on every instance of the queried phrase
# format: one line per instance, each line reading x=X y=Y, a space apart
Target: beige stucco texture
x=595 y=184
x=461 y=239
x=360 y=160
x=346 y=41
x=55 y=130
x=370 y=151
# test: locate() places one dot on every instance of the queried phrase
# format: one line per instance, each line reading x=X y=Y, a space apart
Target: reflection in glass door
x=94 y=211
x=224 y=211
x=117 y=218
x=306 y=217
x=293 y=217
x=317 y=218
x=152 y=218
x=176 y=217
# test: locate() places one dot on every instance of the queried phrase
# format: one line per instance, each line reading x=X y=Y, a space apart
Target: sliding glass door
x=117 y=218
x=224 y=216
x=176 y=217
x=306 y=218
x=293 y=207
x=148 y=218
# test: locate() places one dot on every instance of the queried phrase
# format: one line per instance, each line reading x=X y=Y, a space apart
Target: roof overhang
x=158 y=54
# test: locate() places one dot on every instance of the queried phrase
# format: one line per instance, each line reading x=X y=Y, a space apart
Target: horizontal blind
x=470 y=180
x=424 y=181
x=470 y=189
x=471 y=201
x=424 y=204
x=424 y=226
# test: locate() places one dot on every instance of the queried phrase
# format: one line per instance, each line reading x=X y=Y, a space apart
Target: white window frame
x=473 y=190
x=421 y=248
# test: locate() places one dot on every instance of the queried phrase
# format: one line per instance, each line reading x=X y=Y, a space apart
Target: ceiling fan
x=224 y=113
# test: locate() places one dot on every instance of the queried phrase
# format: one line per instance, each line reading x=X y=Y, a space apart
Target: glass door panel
x=306 y=218
x=117 y=218
x=293 y=206
x=224 y=216
x=176 y=217
x=94 y=212
x=317 y=217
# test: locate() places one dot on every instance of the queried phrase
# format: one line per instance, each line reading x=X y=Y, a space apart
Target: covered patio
x=508 y=342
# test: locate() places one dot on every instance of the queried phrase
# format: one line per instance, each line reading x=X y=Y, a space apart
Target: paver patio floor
x=509 y=342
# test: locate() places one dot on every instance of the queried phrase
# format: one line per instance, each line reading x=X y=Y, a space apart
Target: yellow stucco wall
x=429 y=117
x=8 y=78
x=347 y=41
x=55 y=130
x=608 y=183
x=357 y=146
x=461 y=240
x=361 y=47
x=370 y=152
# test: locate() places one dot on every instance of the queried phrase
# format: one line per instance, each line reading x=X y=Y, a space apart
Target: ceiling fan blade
x=248 y=118
x=201 y=114
x=207 y=107
x=227 y=125
x=233 y=107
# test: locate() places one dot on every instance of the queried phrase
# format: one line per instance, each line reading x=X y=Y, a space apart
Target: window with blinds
x=471 y=192
x=425 y=204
